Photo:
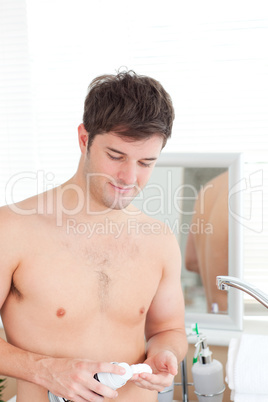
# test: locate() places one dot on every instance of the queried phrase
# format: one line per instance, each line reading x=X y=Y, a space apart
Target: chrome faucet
x=224 y=282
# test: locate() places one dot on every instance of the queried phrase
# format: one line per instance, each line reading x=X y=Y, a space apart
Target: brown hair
x=133 y=106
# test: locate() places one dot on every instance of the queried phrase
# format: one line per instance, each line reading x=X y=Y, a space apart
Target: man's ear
x=82 y=138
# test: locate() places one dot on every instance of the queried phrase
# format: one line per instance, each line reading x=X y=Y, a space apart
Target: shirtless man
x=75 y=300
x=207 y=252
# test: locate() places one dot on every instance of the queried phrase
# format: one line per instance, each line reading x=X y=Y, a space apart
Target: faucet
x=224 y=282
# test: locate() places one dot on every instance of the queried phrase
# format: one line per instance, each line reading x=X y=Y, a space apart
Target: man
x=206 y=252
x=84 y=274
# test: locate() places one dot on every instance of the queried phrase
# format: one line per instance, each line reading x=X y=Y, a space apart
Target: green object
x=197 y=349
x=2 y=387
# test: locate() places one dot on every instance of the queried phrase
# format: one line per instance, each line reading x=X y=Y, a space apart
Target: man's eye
x=114 y=158
x=145 y=164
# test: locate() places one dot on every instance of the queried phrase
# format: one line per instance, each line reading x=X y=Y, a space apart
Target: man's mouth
x=123 y=189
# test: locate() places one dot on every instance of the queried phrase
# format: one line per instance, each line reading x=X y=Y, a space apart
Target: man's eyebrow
x=123 y=153
x=115 y=150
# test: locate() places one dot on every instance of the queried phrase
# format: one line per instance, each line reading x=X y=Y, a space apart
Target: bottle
x=115 y=381
x=208 y=375
x=167 y=394
x=54 y=398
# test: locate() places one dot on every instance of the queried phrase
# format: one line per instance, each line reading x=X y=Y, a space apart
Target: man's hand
x=164 y=366
x=73 y=379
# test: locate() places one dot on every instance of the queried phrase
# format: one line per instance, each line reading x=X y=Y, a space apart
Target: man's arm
x=65 y=377
x=165 y=330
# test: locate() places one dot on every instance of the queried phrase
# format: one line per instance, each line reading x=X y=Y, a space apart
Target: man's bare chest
x=95 y=274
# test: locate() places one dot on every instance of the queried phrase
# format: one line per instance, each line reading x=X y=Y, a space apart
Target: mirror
x=178 y=194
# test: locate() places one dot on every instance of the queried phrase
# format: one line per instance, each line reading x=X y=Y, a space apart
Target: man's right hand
x=73 y=379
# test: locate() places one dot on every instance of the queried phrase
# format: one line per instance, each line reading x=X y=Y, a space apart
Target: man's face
x=117 y=170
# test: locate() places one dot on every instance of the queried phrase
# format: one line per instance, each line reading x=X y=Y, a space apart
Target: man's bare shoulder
x=13 y=239
x=16 y=218
x=164 y=243
x=20 y=224
x=159 y=230
x=9 y=218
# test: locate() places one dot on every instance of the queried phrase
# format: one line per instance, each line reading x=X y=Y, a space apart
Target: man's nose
x=128 y=173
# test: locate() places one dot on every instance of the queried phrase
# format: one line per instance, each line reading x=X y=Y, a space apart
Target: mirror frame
x=233 y=320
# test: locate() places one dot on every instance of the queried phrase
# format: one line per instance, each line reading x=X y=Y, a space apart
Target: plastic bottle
x=208 y=375
x=115 y=381
x=54 y=398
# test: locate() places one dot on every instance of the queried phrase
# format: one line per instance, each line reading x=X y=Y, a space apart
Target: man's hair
x=133 y=106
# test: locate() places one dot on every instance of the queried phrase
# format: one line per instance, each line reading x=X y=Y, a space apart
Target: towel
x=251 y=398
x=232 y=356
x=247 y=368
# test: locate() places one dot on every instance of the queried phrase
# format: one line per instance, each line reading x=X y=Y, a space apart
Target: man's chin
x=120 y=204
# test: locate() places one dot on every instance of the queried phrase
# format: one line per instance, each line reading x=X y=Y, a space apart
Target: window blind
x=15 y=93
